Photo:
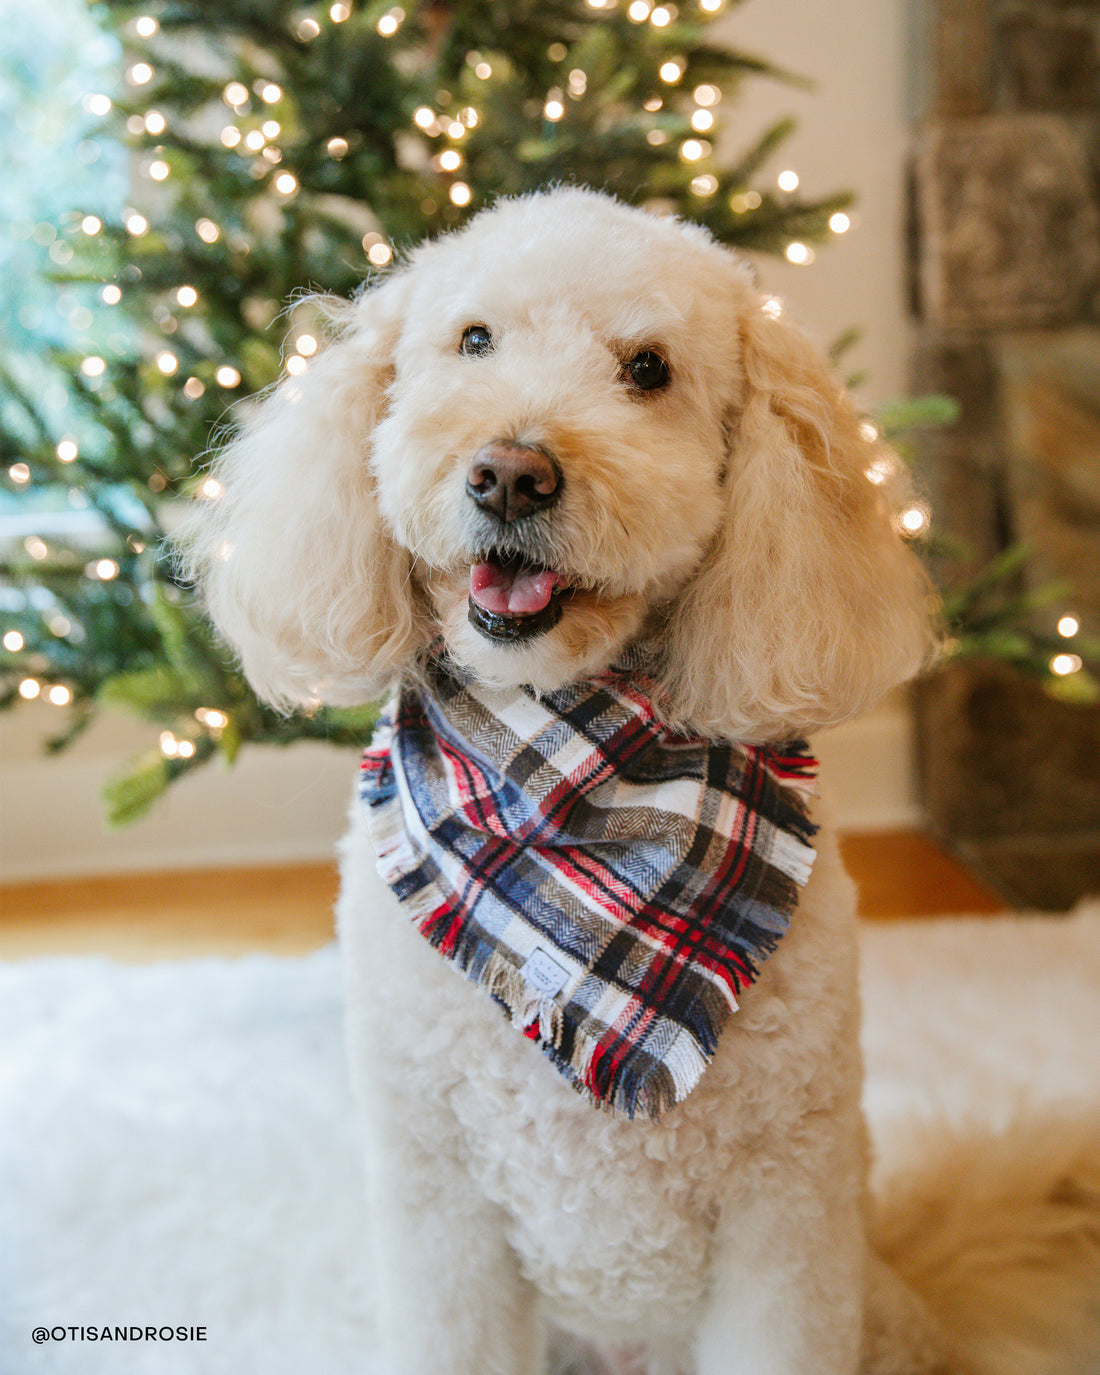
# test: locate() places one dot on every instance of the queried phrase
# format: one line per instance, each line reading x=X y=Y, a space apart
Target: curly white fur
x=728 y=516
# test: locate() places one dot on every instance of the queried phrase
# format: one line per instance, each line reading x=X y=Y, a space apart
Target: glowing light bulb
x=137 y=224
x=93 y=366
x=187 y=296
x=254 y=140
x=702 y=121
x=692 y=150
x=286 y=184
x=103 y=569
x=59 y=695
x=235 y=94
x=788 y=180
x=228 y=377
x=1068 y=626
x=308 y=29
x=707 y=95
x=306 y=345
x=424 y=118
x=97 y=104
x=483 y=71
x=67 y=451
x=167 y=363
x=339 y=12
x=193 y=388
x=140 y=74
x=839 y=223
x=670 y=72
x=155 y=123
x=146 y=26
x=29 y=689
x=799 y=253
x=741 y=202
x=451 y=160
x=661 y=17
x=704 y=185
x=159 y=170
x=211 y=489
x=13 y=642
x=1065 y=664
x=638 y=11
x=91 y=224
x=553 y=110
x=207 y=231
x=460 y=194
x=913 y=520
x=20 y=474
x=380 y=253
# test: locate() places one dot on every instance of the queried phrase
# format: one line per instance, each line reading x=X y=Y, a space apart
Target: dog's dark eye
x=647 y=371
x=476 y=340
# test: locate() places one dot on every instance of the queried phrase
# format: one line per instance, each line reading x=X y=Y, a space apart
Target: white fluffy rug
x=177 y=1149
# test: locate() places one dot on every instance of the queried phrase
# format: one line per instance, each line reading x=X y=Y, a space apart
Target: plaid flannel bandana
x=611 y=884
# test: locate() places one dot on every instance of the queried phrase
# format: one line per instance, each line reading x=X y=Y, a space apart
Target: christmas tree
x=238 y=155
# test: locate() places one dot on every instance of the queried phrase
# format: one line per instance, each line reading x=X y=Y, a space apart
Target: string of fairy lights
x=250 y=125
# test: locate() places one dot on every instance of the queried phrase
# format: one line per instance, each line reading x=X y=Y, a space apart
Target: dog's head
x=566 y=426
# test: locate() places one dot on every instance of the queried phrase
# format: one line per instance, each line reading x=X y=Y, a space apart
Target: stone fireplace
x=1006 y=291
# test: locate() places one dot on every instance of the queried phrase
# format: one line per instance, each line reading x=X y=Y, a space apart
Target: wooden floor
x=288 y=911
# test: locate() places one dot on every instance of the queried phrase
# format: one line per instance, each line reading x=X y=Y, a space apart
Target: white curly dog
x=568 y=431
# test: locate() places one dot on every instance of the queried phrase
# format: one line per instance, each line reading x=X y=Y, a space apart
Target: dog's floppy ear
x=290 y=555
x=808 y=606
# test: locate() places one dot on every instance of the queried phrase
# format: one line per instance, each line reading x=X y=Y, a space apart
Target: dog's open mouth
x=511 y=599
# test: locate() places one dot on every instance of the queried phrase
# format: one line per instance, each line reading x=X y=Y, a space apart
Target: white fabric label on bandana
x=544 y=973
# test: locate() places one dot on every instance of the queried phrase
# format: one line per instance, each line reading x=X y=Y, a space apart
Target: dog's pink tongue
x=511 y=591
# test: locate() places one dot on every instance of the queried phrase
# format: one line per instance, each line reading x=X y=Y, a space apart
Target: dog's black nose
x=513 y=480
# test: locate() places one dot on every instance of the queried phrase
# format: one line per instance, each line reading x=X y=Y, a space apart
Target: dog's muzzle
x=513 y=597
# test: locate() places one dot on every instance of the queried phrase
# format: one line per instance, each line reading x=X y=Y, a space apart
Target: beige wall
x=853 y=136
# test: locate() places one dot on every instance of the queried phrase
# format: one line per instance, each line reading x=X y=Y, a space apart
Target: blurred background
x=918 y=181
